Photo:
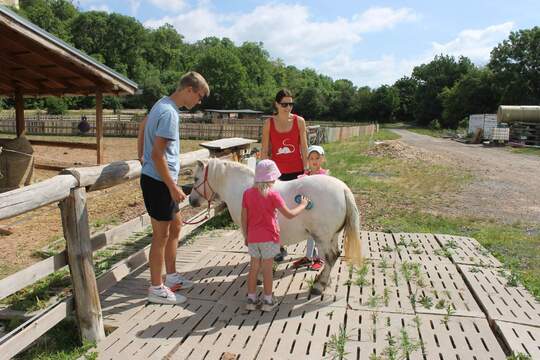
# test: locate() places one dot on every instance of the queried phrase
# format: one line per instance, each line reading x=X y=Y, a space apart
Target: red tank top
x=286 y=148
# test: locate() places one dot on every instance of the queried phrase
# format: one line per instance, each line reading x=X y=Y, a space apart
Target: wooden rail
x=69 y=189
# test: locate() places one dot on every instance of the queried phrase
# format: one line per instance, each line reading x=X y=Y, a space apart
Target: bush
x=435 y=124
x=55 y=106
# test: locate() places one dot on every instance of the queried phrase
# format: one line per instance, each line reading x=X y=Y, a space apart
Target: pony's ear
x=200 y=164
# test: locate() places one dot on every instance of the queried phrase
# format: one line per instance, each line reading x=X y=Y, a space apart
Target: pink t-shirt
x=262 y=223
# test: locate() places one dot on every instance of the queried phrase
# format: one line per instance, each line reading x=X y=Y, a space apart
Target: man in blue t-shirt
x=159 y=142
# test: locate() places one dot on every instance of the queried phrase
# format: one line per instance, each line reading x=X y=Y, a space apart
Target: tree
x=432 y=78
x=474 y=93
x=384 y=103
x=342 y=100
x=164 y=48
x=54 y=16
x=227 y=78
x=516 y=67
x=55 y=105
x=310 y=103
x=406 y=89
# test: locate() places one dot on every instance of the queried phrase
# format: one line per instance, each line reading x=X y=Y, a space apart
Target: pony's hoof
x=315 y=291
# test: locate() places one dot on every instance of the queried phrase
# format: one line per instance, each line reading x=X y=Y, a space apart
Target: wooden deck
x=444 y=293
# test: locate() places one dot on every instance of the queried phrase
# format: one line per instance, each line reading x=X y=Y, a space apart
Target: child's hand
x=304 y=201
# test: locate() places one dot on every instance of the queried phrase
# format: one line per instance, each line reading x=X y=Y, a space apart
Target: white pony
x=334 y=209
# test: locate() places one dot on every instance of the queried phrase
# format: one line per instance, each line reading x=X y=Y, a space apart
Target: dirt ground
x=505 y=185
x=37 y=229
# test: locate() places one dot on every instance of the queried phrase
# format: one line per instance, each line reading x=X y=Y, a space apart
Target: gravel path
x=506 y=185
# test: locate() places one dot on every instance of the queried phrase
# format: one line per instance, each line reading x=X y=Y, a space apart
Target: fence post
x=77 y=235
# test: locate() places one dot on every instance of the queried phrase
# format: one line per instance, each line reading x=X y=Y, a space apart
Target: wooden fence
x=188 y=130
x=69 y=190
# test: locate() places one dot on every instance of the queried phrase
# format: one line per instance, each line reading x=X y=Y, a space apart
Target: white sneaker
x=164 y=295
x=177 y=282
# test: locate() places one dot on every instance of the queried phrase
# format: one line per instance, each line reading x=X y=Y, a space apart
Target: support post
x=19 y=113
x=81 y=267
x=99 y=127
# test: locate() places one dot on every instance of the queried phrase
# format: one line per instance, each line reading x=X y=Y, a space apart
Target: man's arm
x=140 y=139
x=158 y=156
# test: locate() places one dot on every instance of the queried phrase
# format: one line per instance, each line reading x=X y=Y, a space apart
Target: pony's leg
x=330 y=254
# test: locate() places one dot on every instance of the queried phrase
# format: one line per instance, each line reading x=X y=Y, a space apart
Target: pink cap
x=266 y=171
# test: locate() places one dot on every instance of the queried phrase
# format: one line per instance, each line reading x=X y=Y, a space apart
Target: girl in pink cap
x=261 y=231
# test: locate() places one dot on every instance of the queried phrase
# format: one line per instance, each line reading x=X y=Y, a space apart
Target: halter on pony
x=203 y=194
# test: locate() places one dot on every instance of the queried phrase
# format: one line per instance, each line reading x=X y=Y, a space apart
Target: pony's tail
x=352 y=245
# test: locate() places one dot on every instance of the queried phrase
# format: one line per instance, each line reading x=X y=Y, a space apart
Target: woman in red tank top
x=284 y=138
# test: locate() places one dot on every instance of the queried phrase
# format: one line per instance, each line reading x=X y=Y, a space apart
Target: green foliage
x=446 y=88
x=55 y=105
x=515 y=63
x=336 y=344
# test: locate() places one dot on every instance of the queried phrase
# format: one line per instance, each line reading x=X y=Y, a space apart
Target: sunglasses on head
x=286 y=104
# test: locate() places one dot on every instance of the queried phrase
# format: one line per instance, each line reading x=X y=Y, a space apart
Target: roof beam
x=16 y=67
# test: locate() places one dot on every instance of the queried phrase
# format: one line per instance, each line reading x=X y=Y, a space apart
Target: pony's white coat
x=333 y=208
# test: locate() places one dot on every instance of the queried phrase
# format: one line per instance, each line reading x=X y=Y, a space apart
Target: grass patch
x=395 y=193
x=62 y=342
x=439 y=133
x=221 y=221
x=526 y=150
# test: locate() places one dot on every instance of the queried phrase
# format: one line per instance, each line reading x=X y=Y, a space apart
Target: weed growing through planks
x=426 y=301
x=449 y=312
x=387 y=248
x=519 y=356
x=336 y=345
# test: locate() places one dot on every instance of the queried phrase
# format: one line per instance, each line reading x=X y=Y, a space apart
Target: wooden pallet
x=383 y=289
x=499 y=300
x=468 y=251
x=458 y=338
x=372 y=333
x=213 y=323
x=378 y=245
x=522 y=339
x=445 y=286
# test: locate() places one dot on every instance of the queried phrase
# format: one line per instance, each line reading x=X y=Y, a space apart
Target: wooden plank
x=301 y=331
x=214 y=274
x=380 y=286
x=19 y=113
x=237 y=292
x=445 y=288
x=226 y=329
x=99 y=128
x=37 y=271
x=224 y=144
x=379 y=245
x=518 y=339
x=499 y=297
x=65 y=144
x=81 y=267
x=468 y=251
x=458 y=338
x=368 y=335
x=335 y=293
x=25 y=334
x=19 y=201
x=154 y=332
x=105 y=176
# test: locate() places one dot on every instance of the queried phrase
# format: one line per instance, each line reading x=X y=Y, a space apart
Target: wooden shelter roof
x=35 y=62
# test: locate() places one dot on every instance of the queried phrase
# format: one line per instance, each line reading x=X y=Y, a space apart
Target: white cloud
x=170 y=5
x=301 y=42
x=100 y=8
x=475 y=43
x=371 y=72
x=134 y=6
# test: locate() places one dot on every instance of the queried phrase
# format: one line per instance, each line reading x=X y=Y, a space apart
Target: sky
x=368 y=42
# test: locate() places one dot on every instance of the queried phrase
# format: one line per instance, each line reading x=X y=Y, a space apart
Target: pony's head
x=201 y=188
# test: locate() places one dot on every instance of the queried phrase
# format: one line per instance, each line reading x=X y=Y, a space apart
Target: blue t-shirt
x=163 y=122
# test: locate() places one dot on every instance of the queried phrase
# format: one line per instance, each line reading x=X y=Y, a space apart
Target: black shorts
x=290 y=176
x=157 y=199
